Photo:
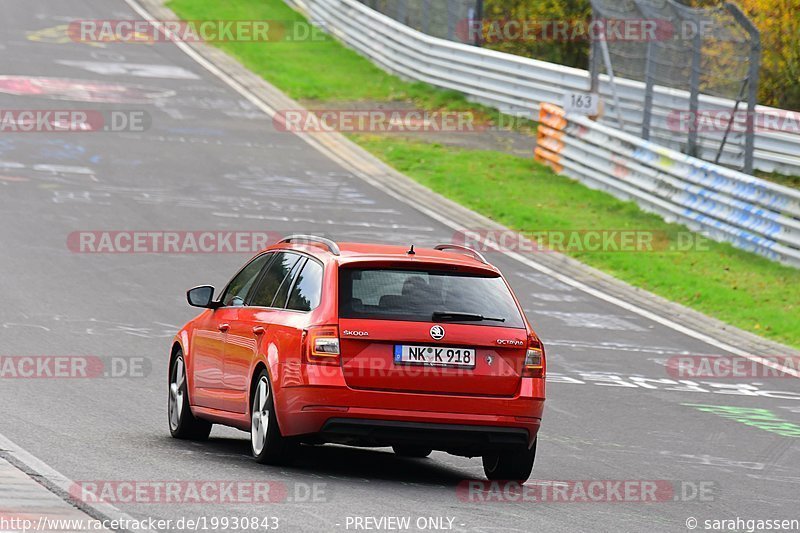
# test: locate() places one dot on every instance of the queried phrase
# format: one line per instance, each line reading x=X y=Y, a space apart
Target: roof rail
x=332 y=246
x=474 y=253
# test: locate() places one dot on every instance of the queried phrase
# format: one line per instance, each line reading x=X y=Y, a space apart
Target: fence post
x=452 y=14
x=479 y=18
x=426 y=17
x=648 y=92
x=694 y=88
x=402 y=11
x=754 y=72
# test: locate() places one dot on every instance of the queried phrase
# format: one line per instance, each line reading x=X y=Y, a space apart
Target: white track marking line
x=60 y=485
x=271 y=112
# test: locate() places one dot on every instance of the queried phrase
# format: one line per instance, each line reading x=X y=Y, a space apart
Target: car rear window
x=415 y=295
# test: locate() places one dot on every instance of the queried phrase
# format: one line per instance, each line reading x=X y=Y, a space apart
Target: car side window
x=307 y=290
x=275 y=275
x=283 y=292
x=238 y=288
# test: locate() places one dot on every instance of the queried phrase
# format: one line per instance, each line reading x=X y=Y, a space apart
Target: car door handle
x=224 y=327
x=259 y=330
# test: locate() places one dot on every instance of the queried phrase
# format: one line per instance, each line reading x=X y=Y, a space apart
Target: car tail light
x=534 y=358
x=322 y=345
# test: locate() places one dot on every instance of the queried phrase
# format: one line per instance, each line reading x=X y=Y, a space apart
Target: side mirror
x=201 y=297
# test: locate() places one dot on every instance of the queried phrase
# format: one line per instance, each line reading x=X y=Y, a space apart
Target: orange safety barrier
x=553 y=116
x=549 y=143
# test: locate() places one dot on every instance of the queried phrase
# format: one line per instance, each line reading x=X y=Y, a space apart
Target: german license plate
x=434 y=356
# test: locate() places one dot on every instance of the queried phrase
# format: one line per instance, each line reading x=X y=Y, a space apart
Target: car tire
x=182 y=423
x=267 y=444
x=510 y=466
x=412 y=451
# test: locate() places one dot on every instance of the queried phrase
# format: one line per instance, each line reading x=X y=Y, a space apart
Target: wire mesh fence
x=445 y=19
x=713 y=51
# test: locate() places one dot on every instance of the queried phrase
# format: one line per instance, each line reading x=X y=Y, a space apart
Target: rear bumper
x=325 y=408
x=458 y=438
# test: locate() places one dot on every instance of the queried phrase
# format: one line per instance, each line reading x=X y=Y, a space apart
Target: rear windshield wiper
x=448 y=316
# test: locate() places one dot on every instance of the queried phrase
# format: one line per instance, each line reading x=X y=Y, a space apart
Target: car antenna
x=411 y=251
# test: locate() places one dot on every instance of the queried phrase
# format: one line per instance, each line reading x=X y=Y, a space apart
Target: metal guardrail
x=750 y=213
x=518 y=85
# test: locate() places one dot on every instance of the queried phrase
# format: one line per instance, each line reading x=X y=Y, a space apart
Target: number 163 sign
x=582 y=103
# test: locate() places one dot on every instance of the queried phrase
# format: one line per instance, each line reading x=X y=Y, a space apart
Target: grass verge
x=738 y=287
x=781 y=179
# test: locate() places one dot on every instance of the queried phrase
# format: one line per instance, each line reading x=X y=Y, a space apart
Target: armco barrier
x=750 y=213
x=517 y=85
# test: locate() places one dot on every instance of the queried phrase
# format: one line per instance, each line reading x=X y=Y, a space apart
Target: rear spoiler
x=469 y=251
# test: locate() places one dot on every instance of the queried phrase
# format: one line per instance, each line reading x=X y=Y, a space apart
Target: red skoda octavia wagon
x=364 y=345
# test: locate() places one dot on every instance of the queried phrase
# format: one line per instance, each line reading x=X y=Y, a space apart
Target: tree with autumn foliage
x=778 y=21
x=563 y=51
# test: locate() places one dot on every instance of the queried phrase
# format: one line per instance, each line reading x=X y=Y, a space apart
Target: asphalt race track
x=209 y=160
